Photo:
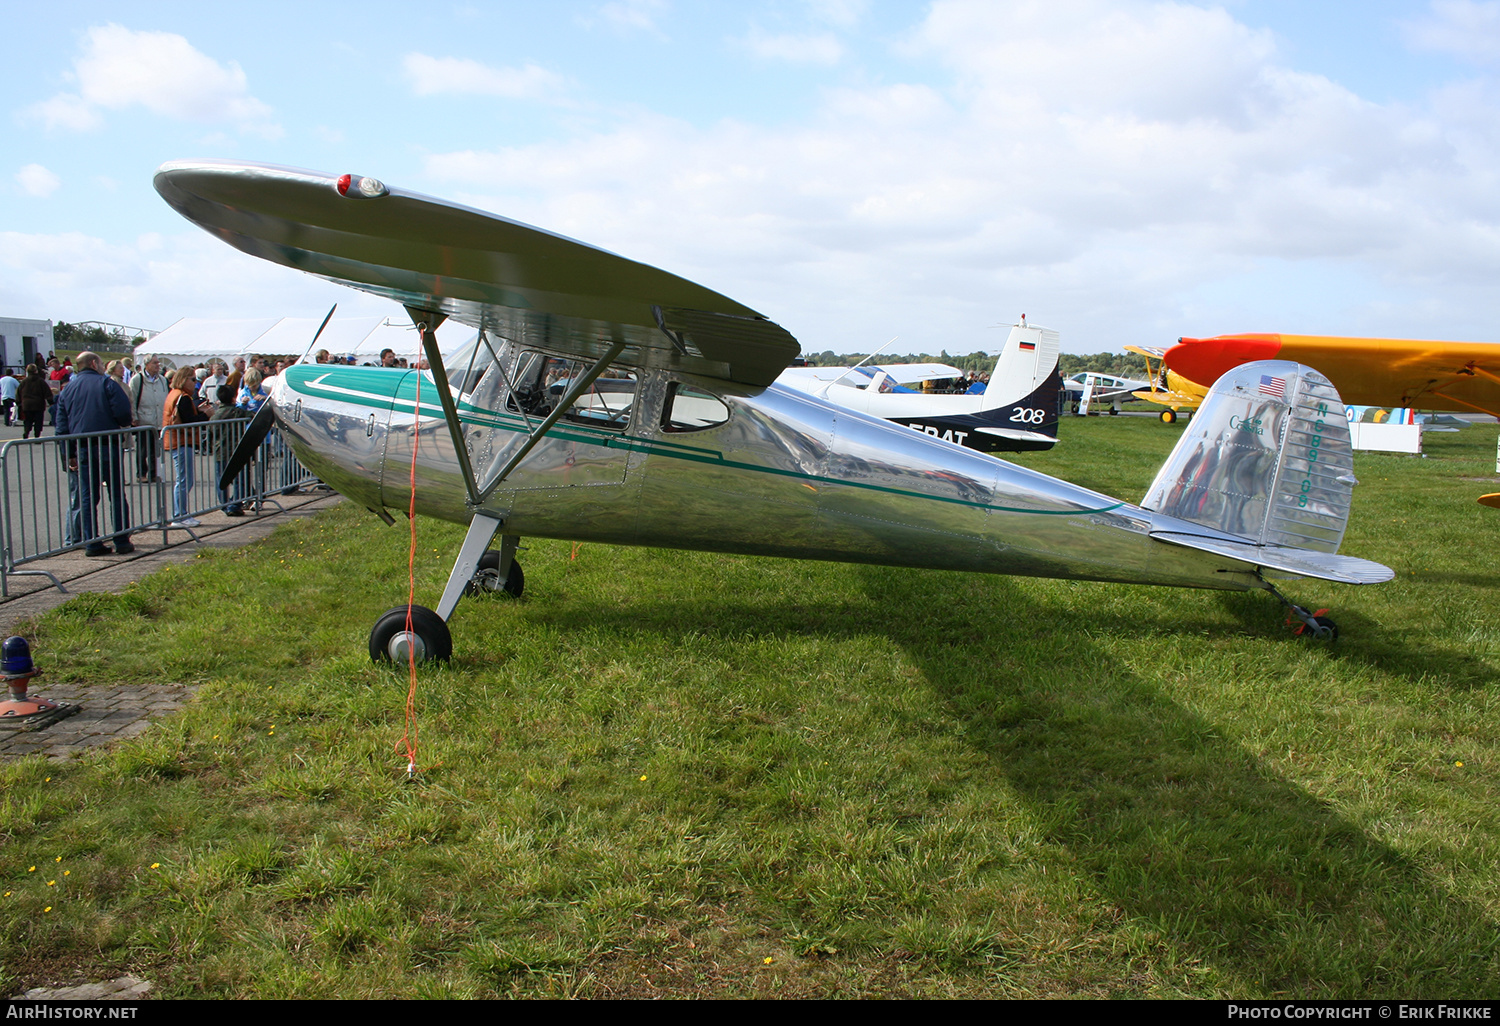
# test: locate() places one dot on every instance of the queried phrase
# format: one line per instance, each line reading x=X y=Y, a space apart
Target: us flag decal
x=1274 y=387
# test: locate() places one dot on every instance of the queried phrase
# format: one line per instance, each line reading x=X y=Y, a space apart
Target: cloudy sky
x=1126 y=172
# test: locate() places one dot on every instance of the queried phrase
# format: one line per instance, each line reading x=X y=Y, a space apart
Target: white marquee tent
x=194 y=340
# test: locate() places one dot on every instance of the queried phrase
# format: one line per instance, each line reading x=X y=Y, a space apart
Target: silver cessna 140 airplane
x=605 y=400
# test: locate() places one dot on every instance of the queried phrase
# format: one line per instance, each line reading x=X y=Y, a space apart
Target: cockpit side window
x=542 y=381
x=691 y=409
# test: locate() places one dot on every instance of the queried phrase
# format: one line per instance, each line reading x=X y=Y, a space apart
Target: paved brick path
x=112 y=712
x=109 y=714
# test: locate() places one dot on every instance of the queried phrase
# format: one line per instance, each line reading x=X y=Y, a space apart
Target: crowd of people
x=86 y=396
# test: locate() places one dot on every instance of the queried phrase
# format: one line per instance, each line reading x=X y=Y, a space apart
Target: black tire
x=1169 y=416
x=1328 y=625
x=433 y=640
x=489 y=563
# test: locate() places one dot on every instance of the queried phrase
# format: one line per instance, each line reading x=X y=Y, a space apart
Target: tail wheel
x=1169 y=416
x=1321 y=628
x=486 y=579
x=1324 y=629
x=391 y=642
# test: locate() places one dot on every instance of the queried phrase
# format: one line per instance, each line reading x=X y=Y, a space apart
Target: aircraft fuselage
x=777 y=473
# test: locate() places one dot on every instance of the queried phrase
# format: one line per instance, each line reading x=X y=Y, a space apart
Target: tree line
x=76 y=336
x=1128 y=365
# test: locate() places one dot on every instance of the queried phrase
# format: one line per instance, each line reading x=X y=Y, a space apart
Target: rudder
x=1267 y=457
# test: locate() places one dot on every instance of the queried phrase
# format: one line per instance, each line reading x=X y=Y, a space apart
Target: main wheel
x=486 y=579
x=1169 y=416
x=390 y=641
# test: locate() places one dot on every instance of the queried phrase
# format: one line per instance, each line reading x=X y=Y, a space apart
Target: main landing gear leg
x=390 y=639
x=1313 y=625
x=481 y=529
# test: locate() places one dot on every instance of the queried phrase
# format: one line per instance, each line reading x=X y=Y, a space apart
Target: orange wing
x=1459 y=376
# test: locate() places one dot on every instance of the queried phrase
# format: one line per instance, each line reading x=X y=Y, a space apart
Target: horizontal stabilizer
x=1017 y=435
x=1326 y=566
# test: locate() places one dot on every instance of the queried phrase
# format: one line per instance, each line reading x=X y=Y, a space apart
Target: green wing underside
x=515 y=281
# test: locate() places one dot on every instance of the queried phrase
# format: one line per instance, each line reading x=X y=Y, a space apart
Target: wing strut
x=483 y=526
x=1472 y=371
x=427 y=322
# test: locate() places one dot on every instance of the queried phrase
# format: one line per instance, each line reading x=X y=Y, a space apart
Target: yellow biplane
x=1168 y=388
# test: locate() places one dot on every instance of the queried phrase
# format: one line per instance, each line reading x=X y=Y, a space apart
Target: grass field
x=670 y=773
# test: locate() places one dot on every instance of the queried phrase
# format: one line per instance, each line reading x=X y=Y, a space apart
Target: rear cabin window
x=691 y=409
x=542 y=381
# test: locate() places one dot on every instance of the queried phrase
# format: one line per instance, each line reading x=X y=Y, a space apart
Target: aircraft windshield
x=468 y=365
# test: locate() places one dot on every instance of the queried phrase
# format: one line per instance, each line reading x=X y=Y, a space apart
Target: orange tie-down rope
x=409 y=738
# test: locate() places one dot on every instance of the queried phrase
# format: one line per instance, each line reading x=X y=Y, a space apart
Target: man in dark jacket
x=91 y=402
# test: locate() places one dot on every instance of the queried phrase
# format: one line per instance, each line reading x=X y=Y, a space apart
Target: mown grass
x=687 y=774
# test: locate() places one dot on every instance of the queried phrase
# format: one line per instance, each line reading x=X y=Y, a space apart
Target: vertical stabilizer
x=1026 y=362
x=1267 y=457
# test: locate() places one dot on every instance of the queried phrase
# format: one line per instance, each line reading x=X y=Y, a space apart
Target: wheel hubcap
x=403 y=643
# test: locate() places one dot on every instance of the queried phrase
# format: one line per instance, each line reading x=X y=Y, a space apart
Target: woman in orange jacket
x=181 y=440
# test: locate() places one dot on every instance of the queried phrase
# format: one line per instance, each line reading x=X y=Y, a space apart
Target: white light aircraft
x=1088 y=387
x=1016 y=412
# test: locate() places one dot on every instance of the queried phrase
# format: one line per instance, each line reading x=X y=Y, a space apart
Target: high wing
x=1106 y=386
x=813 y=379
x=909 y=373
x=1460 y=376
x=522 y=283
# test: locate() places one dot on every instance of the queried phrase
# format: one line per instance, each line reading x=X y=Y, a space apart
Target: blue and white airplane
x=1016 y=412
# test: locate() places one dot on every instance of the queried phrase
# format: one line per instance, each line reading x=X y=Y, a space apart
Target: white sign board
x=1386 y=437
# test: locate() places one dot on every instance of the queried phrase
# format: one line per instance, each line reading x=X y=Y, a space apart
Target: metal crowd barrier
x=71 y=492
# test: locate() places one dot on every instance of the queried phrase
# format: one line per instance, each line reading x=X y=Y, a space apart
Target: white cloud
x=432 y=76
x=156 y=279
x=839 y=13
x=37 y=181
x=66 y=110
x=819 y=48
x=160 y=71
x=1464 y=27
x=629 y=15
x=1100 y=165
